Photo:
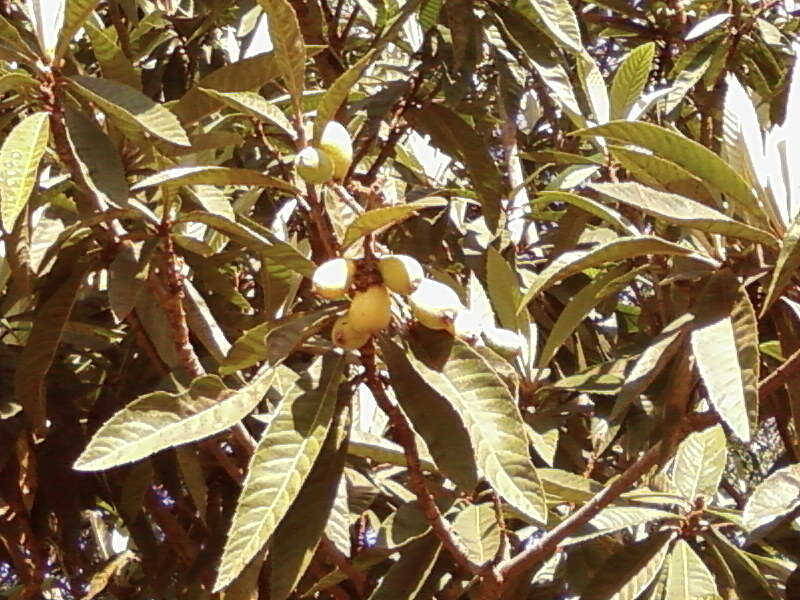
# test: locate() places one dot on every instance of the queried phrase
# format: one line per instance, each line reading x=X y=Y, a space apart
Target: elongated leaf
x=126 y=275
x=629 y=571
x=692 y=156
x=433 y=418
x=563 y=486
x=786 y=265
x=494 y=425
x=19 y=164
x=750 y=581
x=745 y=332
x=41 y=345
x=212 y=175
x=77 y=11
x=560 y=22
x=456 y=137
x=367 y=445
x=113 y=62
x=682 y=211
x=773 y=499
x=279 y=467
x=503 y=288
x=591 y=206
x=256 y=106
x=300 y=531
x=271 y=247
x=617 y=518
x=700 y=462
x=479 y=531
x=379 y=218
x=577 y=309
x=576 y=261
x=630 y=79
x=707 y=25
x=337 y=93
x=131 y=107
x=97 y=157
x=715 y=350
x=406 y=577
x=689 y=578
x=164 y=420
x=290 y=51
x=337 y=529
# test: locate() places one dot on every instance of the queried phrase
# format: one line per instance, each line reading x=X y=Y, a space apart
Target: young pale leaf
x=774 y=498
x=629 y=571
x=337 y=93
x=271 y=247
x=630 y=79
x=688 y=578
x=699 y=463
x=493 y=422
x=379 y=218
x=406 y=577
x=479 y=531
x=682 y=211
x=212 y=175
x=786 y=265
x=689 y=154
x=617 y=518
x=716 y=352
x=299 y=533
x=290 y=50
x=279 y=467
x=575 y=261
x=131 y=107
x=40 y=349
x=256 y=106
x=47 y=18
x=162 y=420
x=19 y=164
x=97 y=157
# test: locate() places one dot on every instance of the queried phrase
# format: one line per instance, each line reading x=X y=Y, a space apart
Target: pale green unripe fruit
x=344 y=335
x=338 y=145
x=371 y=309
x=401 y=273
x=504 y=341
x=333 y=278
x=435 y=304
x=313 y=165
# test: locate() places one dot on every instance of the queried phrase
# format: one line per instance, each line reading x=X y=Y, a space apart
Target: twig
x=779 y=376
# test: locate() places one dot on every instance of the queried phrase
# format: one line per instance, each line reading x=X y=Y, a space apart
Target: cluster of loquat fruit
x=330 y=159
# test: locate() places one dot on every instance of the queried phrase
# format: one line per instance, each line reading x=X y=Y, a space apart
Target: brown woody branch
x=780 y=376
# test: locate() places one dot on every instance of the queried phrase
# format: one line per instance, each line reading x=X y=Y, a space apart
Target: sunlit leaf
x=337 y=94
x=689 y=578
x=254 y=105
x=616 y=518
x=379 y=218
x=630 y=79
x=290 y=51
x=699 y=463
x=774 y=498
x=211 y=175
x=479 y=532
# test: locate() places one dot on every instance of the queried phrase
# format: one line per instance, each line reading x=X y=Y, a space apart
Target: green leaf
x=688 y=577
x=453 y=135
x=337 y=93
x=563 y=486
x=76 y=13
x=405 y=578
x=296 y=538
x=131 y=107
x=40 y=348
x=750 y=581
x=630 y=79
x=246 y=585
x=337 y=529
x=617 y=518
x=559 y=22
x=290 y=50
x=786 y=265
x=272 y=247
x=162 y=420
x=682 y=211
x=591 y=206
x=367 y=445
x=693 y=157
x=575 y=261
x=479 y=531
x=628 y=571
x=127 y=274
x=579 y=307
x=772 y=501
x=278 y=468
x=212 y=175
x=19 y=165
x=97 y=157
x=113 y=62
x=494 y=425
x=256 y=106
x=715 y=349
x=433 y=418
x=503 y=287
x=379 y=218
x=700 y=462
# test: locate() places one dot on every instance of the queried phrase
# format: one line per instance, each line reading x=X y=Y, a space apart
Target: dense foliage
x=583 y=383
